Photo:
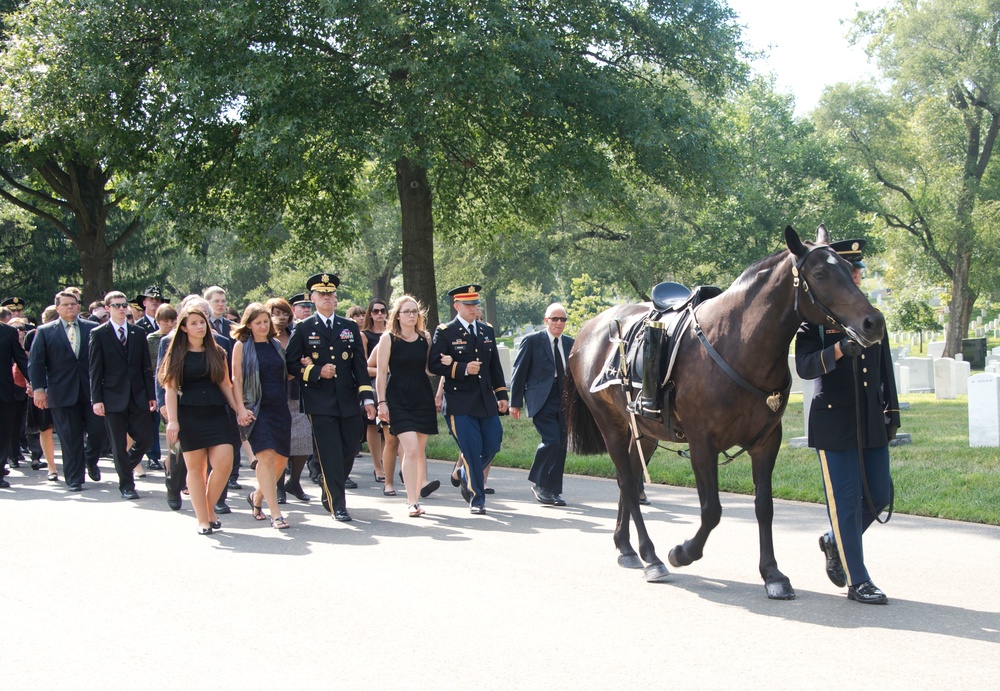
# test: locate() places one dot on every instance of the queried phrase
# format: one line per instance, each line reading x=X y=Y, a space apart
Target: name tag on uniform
x=314 y=340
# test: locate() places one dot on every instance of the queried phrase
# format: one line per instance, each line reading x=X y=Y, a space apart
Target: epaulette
x=440 y=327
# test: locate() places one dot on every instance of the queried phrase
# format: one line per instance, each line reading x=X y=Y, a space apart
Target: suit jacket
x=11 y=353
x=535 y=370
x=833 y=416
x=465 y=394
x=54 y=367
x=161 y=353
x=227 y=329
x=120 y=373
x=341 y=345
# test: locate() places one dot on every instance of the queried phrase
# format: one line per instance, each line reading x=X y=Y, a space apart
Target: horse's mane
x=765 y=264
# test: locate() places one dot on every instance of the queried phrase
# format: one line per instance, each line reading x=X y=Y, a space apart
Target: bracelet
x=382 y=403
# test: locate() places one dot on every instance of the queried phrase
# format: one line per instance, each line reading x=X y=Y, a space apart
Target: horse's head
x=825 y=292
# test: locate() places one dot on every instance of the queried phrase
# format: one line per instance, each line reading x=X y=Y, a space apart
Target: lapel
x=548 y=347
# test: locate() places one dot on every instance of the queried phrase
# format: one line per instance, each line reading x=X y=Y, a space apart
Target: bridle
x=799 y=282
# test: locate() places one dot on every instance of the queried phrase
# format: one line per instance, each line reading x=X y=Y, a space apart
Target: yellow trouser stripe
x=831 y=501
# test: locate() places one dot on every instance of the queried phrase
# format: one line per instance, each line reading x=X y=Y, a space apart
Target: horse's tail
x=581 y=428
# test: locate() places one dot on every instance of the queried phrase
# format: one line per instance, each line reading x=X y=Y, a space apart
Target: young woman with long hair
x=372 y=328
x=195 y=378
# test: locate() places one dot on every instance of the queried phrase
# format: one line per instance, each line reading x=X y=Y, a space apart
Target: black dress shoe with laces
x=477 y=510
x=341 y=515
x=174 y=501
x=154 y=464
x=74 y=487
x=349 y=483
x=233 y=484
x=543 y=495
x=557 y=500
x=834 y=568
x=130 y=494
x=4 y=484
x=94 y=472
x=222 y=508
x=867 y=593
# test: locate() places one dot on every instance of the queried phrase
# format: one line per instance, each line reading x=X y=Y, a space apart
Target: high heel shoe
x=204 y=531
x=377 y=478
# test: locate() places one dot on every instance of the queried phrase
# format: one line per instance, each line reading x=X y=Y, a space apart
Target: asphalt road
x=100 y=593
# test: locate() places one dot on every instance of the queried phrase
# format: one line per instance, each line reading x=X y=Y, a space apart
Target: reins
x=861 y=454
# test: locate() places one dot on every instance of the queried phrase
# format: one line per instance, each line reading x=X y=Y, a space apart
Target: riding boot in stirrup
x=651 y=400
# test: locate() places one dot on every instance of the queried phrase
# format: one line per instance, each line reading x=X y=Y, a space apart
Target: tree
x=928 y=141
x=915 y=315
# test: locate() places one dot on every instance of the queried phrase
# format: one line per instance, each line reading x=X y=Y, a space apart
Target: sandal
x=256 y=511
x=279 y=523
x=389 y=492
x=416 y=511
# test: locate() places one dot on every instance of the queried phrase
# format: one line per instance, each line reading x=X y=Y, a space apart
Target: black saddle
x=673 y=297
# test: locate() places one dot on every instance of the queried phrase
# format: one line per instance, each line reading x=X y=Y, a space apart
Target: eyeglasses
x=378 y=310
x=556 y=319
x=409 y=313
x=279 y=315
x=118 y=305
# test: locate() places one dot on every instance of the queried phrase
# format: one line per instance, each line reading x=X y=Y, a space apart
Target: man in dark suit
x=333 y=384
x=11 y=354
x=539 y=374
x=464 y=352
x=151 y=299
x=852 y=384
x=121 y=388
x=59 y=366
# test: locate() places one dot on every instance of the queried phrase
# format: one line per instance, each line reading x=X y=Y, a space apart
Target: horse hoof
x=674 y=557
x=629 y=561
x=656 y=573
x=780 y=590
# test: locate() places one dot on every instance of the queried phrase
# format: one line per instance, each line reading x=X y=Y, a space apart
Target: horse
x=750 y=325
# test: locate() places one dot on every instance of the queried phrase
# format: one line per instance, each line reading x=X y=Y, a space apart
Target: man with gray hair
x=539 y=375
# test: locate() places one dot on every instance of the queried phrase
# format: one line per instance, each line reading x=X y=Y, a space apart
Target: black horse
x=751 y=326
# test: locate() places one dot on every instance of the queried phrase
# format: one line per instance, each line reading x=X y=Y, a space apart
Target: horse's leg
x=627 y=558
x=776 y=584
x=655 y=570
x=706 y=472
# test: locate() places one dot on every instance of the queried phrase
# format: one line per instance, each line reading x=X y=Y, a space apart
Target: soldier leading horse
x=751 y=326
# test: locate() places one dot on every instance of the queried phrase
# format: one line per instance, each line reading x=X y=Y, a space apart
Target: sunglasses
x=118 y=305
x=556 y=319
x=378 y=310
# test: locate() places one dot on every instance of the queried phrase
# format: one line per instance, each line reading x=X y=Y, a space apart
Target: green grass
x=937 y=475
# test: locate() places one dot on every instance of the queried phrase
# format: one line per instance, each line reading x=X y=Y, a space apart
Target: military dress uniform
x=333 y=405
x=145 y=322
x=471 y=399
x=835 y=434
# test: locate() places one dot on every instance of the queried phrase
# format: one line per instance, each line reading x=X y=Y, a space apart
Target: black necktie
x=218 y=326
x=121 y=334
x=472 y=329
x=560 y=370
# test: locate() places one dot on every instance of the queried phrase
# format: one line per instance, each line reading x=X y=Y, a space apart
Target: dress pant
x=154 y=453
x=136 y=423
x=337 y=441
x=7 y=415
x=479 y=439
x=550 y=456
x=71 y=423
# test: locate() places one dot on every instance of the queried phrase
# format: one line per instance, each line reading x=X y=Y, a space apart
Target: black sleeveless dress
x=371 y=339
x=201 y=409
x=273 y=427
x=408 y=391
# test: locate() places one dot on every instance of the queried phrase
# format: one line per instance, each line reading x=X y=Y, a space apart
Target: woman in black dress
x=406 y=400
x=372 y=328
x=259 y=378
x=195 y=377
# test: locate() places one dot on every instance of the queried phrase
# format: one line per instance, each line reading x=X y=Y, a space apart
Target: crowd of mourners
x=287 y=386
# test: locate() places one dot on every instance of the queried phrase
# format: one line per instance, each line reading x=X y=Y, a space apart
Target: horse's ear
x=822 y=237
x=794 y=242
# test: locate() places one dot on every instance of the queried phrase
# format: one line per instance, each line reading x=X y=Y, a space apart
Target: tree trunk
x=490 y=308
x=418 y=236
x=97 y=265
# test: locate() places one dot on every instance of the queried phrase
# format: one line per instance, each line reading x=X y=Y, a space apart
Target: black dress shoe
x=215 y=525
x=543 y=495
x=834 y=568
x=349 y=483
x=557 y=500
x=233 y=484
x=489 y=490
x=341 y=515
x=429 y=488
x=130 y=494
x=282 y=498
x=867 y=593
x=222 y=508
x=174 y=501
x=4 y=484
x=296 y=491
x=455 y=480
x=642 y=498
x=38 y=465
x=94 y=472
x=154 y=465
x=74 y=487
x=466 y=494
x=14 y=463
x=324 y=501
x=477 y=510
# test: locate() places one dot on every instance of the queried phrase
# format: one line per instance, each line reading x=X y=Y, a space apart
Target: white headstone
x=504 y=353
x=808 y=388
x=993 y=367
x=961 y=371
x=902 y=373
x=984 y=410
x=921 y=373
x=796 y=379
x=959 y=357
x=996 y=351
x=944 y=378
x=992 y=358
x=935 y=349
